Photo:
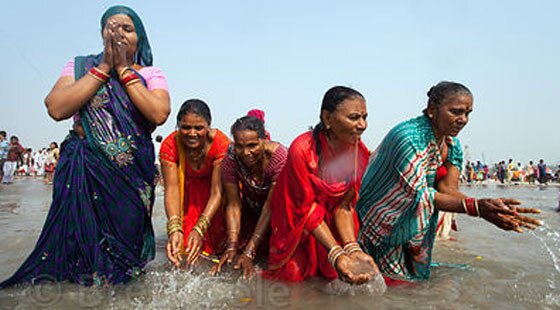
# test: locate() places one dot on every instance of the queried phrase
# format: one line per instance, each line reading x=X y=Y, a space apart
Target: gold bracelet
x=197 y=229
x=132 y=82
x=123 y=71
x=174 y=226
x=174 y=229
x=173 y=217
x=96 y=77
x=106 y=75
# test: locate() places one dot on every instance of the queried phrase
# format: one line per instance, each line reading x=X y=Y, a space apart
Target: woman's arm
x=68 y=96
x=233 y=221
x=245 y=261
x=172 y=202
x=344 y=218
x=194 y=242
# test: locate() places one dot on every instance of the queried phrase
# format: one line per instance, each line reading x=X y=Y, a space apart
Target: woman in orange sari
x=314 y=224
x=190 y=159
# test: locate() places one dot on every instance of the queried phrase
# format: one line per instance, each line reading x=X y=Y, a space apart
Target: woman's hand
x=246 y=263
x=193 y=248
x=364 y=260
x=504 y=213
x=227 y=257
x=174 y=248
x=108 y=52
x=348 y=270
x=120 y=48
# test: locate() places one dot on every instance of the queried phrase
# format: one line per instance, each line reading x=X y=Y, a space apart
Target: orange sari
x=305 y=195
x=194 y=186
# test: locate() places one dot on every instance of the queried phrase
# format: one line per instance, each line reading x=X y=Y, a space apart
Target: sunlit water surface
x=484 y=268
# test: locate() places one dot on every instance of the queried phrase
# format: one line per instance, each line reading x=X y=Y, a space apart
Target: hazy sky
x=282 y=56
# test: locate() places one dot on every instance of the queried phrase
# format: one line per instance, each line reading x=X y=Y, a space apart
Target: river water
x=484 y=268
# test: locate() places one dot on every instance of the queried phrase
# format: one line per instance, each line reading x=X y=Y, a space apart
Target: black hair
x=3 y=133
x=14 y=137
x=249 y=123
x=197 y=107
x=55 y=144
x=442 y=91
x=332 y=99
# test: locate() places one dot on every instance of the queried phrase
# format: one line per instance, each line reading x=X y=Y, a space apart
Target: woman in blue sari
x=98 y=229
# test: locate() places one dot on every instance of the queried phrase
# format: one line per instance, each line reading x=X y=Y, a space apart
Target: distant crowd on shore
x=16 y=160
x=510 y=173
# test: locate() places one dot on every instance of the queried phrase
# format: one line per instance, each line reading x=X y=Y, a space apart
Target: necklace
x=195 y=155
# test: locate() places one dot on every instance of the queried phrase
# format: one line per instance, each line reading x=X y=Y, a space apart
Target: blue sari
x=98 y=229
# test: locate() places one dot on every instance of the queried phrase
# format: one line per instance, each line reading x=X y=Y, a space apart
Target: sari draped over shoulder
x=98 y=229
x=195 y=186
x=396 y=206
x=307 y=193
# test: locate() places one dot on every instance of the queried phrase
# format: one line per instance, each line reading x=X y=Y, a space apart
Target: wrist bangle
x=352 y=247
x=98 y=75
x=128 y=78
x=197 y=229
x=124 y=70
x=471 y=206
x=334 y=253
x=131 y=82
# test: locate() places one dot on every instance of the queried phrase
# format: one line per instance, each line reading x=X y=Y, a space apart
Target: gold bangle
x=96 y=77
x=123 y=71
x=132 y=82
x=173 y=217
x=174 y=229
x=106 y=75
x=197 y=229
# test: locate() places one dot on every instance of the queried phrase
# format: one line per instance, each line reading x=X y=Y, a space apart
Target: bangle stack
x=202 y=225
x=351 y=247
x=128 y=79
x=470 y=205
x=334 y=254
x=174 y=224
x=99 y=75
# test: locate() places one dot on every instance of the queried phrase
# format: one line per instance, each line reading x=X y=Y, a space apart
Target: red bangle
x=471 y=206
x=98 y=75
x=129 y=78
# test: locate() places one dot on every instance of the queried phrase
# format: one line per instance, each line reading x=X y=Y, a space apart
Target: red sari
x=305 y=195
x=195 y=185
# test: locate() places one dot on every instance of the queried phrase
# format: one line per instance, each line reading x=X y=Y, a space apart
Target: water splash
x=375 y=287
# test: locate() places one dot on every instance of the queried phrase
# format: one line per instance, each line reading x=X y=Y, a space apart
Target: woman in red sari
x=190 y=159
x=314 y=224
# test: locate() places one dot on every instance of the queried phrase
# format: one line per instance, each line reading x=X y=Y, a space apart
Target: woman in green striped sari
x=413 y=175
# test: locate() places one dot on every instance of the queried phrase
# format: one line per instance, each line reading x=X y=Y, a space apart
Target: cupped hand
x=227 y=257
x=174 y=248
x=246 y=263
x=365 y=261
x=349 y=270
x=193 y=247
